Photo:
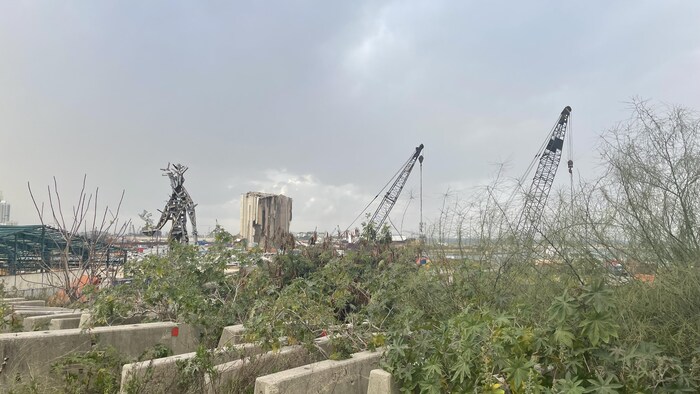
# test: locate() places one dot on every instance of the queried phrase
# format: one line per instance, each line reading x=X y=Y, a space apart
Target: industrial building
x=40 y=248
x=4 y=211
x=265 y=219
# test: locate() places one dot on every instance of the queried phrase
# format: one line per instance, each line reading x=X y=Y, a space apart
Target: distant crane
x=394 y=191
x=392 y=195
x=536 y=197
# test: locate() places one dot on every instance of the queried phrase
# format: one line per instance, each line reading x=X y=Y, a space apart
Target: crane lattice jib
x=536 y=198
x=394 y=191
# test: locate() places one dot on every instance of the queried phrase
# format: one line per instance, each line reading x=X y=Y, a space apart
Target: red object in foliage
x=324 y=333
x=175 y=331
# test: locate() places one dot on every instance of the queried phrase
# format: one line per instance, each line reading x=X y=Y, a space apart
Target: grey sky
x=320 y=100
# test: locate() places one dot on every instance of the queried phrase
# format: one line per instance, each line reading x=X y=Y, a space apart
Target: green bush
x=578 y=349
x=96 y=371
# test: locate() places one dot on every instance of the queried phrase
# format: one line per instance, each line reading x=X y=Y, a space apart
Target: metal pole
x=420 y=225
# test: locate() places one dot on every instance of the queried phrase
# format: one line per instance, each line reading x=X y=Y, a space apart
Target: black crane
x=544 y=178
x=382 y=212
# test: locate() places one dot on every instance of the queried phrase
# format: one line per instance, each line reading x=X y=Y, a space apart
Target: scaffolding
x=40 y=248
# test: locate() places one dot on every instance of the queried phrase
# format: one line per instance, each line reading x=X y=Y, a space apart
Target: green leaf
x=433 y=369
x=562 y=308
x=518 y=370
x=462 y=370
x=598 y=296
x=564 y=337
x=568 y=386
x=603 y=386
x=598 y=327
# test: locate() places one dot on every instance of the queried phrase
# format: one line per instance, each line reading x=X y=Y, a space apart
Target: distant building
x=265 y=218
x=4 y=211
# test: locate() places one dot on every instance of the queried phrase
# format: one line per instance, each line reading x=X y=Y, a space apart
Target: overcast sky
x=321 y=101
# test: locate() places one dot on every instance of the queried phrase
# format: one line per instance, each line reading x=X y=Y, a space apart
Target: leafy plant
x=95 y=371
x=193 y=370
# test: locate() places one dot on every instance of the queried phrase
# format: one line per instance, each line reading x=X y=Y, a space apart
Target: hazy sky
x=321 y=101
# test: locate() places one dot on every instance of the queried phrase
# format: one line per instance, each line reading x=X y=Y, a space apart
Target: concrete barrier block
x=27 y=303
x=381 y=382
x=85 y=320
x=64 y=323
x=231 y=335
x=161 y=375
x=25 y=313
x=133 y=339
x=35 y=351
x=23 y=308
x=31 y=323
x=234 y=375
x=349 y=376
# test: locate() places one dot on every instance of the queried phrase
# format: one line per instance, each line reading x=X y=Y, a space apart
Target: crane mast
x=544 y=178
x=394 y=191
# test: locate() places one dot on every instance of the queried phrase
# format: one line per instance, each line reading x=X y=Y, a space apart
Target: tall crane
x=382 y=212
x=544 y=178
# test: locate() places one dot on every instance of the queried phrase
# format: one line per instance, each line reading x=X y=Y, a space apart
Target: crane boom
x=394 y=191
x=544 y=178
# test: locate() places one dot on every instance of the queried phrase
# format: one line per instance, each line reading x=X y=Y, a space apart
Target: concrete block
x=381 y=382
x=133 y=339
x=28 y=303
x=231 y=335
x=24 y=313
x=46 y=283
x=232 y=375
x=19 y=308
x=349 y=376
x=34 y=352
x=8 y=300
x=85 y=320
x=64 y=323
x=31 y=323
x=40 y=308
x=161 y=375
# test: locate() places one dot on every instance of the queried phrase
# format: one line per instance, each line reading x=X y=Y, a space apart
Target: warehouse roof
x=34 y=245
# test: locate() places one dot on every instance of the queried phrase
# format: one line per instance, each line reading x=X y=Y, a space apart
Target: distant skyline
x=320 y=101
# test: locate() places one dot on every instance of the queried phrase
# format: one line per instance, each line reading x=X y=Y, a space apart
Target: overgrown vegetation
x=485 y=315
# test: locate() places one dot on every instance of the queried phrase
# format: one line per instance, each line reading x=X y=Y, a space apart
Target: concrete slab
x=8 y=300
x=28 y=303
x=64 y=323
x=349 y=376
x=133 y=339
x=161 y=375
x=24 y=313
x=40 y=308
x=35 y=351
x=31 y=323
x=231 y=335
x=381 y=382
x=34 y=310
x=27 y=284
x=85 y=320
x=235 y=375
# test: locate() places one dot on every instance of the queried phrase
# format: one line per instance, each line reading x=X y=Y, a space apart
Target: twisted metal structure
x=177 y=208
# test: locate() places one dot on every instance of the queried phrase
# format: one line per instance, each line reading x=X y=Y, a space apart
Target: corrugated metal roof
x=35 y=244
